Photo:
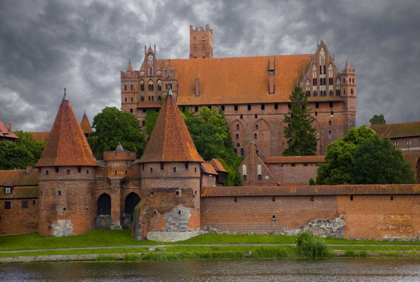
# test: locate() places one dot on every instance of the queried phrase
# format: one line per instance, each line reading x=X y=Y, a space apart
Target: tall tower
x=201 y=42
x=170 y=179
x=349 y=94
x=66 y=178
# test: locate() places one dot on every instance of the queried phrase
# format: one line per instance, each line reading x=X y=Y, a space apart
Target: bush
x=310 y=247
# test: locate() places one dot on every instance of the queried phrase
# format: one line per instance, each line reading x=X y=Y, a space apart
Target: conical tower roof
x=66 y=144
x=170 y=140
x=129 y=67
x=85 y=124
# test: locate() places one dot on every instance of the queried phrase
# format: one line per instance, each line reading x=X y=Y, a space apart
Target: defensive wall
x=347 y=211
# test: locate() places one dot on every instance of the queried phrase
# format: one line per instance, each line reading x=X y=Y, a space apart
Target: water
x=219 y=270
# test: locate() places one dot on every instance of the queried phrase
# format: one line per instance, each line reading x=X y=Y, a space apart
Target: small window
x=125 y=87
x=273 y=199
x=59 y=193
x=8 y=190
x=244 y=177
x=196 y=108
x=33 y=202
x=87 y=171
x=256 y=116
x=238 y=145
x=276 y=106
x=236 y=107
x=315 y=94
x=241 y=116
x=143 y=123
x=237 y=127
x=305 y=164
x=256 y=127
x=329 y=122
x=186 y=166
x=329 y=132
x=174 y=169
x=293 y=165
x=262 y=107
x=125 y=100
x=195 y=169
x=237 y=136
x=255 y=136
x=392 y=198
x=46 y=172
x=235 y=199
x=351 y=91
x=273 y=218
x=351 y=198
x=223 y=108
x=155 y=212
x=316 y=113
x=312 y=198
x=7 y=205
x=259 y=177
x=131 y=110
x=162 y=166
x=151 y=170
x=79 y=169
x=332 y=113
x=131 y=87
x=242 y=152
x=132 y=99
x=68 y=171
x=249 y=107
x=57 y=169
x=25 y=204
x=317 y=105
x=331 y=104
x=177 y=193
x=179 y=212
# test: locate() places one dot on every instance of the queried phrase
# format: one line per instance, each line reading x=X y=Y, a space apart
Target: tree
x=377 y=119
x=299 y=133
x=150 y=119
x=24 y=152
x=340 y=157
x=113 y=126
x=377 y=161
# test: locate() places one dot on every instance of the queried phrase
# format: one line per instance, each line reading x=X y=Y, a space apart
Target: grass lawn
x=106 y=237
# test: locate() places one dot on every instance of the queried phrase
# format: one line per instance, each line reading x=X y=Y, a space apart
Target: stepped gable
x=85 y=124
x=238 y=80
x=66 y=144
x=170 y=140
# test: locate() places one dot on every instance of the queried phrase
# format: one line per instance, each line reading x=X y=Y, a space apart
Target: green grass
x=106 y=258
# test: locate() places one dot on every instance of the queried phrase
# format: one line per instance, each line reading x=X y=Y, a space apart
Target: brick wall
x=297 y=174
x=18 y=219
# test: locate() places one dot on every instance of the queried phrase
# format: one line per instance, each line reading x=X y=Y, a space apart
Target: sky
x=46 y=46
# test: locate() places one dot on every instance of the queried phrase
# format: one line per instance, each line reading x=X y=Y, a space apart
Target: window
x=125 y=87
x=256 y=127
x=59 y=193
x=25 y=204
x=160 y=99
x=255 y=136
x=223 y=108
x=392 y=198
x=259 y=177
x=317 y=105
x=329 y=122
x=131 y=87
x=337 y=92
x=8 y=190
x=174 y=169
x=186 y=166
x=235 y=199
x=237 y=127
x=159 y=86
x=195 y=48
x=7 y=205
x=87 y=171
x=242 y=152
x=236 y=107
x=238 y=145
x=177 y=193
x=196 y=108
x=315 y=94
x=143 y=123
x=142 y=98
x=125 y=100
x=204 y=48
x=162 y=166
x=274 y=199
x=237 y=136
x=314 y=82
x=332 y=113
x=262 y=107
x=312 y=198
x=57 y=169
x=241 y=116
x=46 y=172
x=33 y=202
x=256 y=116
x=276 y=106
x=351 y=198
x=351 y=91
x=150 y=86
x=142 y=85
x=249 y=107
x=329 y=132
x=131 y=99
x=316 y=113
x=331 y=93
x=68 y=171
x=195 y=169
x=273 y=218
x=151 y=170
x=131 y=110
x=331 y=104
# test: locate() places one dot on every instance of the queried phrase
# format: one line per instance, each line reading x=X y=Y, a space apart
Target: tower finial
x=169 y=93
x=65 y=95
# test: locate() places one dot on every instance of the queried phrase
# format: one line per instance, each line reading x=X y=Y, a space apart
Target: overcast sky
x=83 y=45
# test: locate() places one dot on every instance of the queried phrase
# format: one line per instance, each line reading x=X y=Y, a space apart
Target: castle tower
x=170 y=179
x=66 y=178
x=201 y=42
x=349 y=94
x=85 y=124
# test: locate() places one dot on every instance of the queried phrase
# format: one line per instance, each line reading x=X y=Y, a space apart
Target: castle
x=252 y=92
x=172 y=194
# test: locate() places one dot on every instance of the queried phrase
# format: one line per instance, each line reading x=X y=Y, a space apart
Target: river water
x=219 y=270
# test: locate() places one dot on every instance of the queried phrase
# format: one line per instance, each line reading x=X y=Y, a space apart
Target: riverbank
x=108 y=245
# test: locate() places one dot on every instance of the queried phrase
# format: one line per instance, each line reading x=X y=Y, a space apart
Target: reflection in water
x=220 y=270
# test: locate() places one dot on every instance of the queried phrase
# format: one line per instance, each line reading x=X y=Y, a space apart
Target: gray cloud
x=83 y=45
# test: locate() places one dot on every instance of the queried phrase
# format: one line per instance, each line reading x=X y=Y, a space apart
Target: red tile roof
x=5 y=132
x=245 y=79
x=208 y=168
x=217 y=165
x=26 y=192
x=85 y=124
x=40 y=136
x=66 y=144
x=294 y=159
x=18 y=178
x=170 y=140
x=398 y=130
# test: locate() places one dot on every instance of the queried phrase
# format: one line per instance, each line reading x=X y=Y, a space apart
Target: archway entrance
x=103 y=212
x=131 y=201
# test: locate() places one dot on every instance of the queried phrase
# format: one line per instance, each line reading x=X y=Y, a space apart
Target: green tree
x=24 y=152
x=299 y=133
x=377 y=161
x=340 y=157
x=377 y=119
x=112 y=126
x=150 y=119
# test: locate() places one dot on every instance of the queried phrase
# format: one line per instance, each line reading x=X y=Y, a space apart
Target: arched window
x=315 y=94
x=322 y=58
x=237 y=127
x=314 y=72
x=104 y=205
x=259 y=171
x=142 y=99
x=131 y=87
x=244 y=169
x=142 y=85
x=125 y=87
x=237 y=136
x=131 y=110
x=242 y=152
x=353 y=80
x=331 y=92
x=256 y=127
x=159 y=85
x=131 y=201
x=241 y=117
x=174 y=169
x=351 y=91
x=153 y=98
x=329 y=122
x=131 y=99
x=151 y=170
x=255 y=136
x=238 y=145
x=204 y=48
x=159 y=98
x=150 y=86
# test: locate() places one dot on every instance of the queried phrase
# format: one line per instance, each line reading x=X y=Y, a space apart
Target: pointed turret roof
x=170 y=140
x=129 y=67
x=119 y=148
x=85 y=124
x=347 y=65
x=66 y=144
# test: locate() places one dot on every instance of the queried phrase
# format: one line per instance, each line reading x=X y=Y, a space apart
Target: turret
x=170 y=178
x=349 y=94
x=201 y=42
x=66 y=178
x=85 y=125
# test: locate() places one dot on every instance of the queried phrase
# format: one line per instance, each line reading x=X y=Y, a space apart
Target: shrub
x=310 y=247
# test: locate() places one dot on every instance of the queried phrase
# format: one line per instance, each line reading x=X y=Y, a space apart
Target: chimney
x=271 y=73
x=28 y=170
x=10 y=126
x=197 y=87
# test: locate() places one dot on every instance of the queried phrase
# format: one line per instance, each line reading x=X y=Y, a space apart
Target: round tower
x=66 y=178
x=170 y=179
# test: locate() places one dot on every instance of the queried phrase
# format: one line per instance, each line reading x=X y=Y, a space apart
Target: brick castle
x=172 y=194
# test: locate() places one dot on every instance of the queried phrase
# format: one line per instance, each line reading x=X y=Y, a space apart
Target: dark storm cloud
x=83 y=45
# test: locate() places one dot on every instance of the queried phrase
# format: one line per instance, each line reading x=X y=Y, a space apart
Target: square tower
x=201 y=42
